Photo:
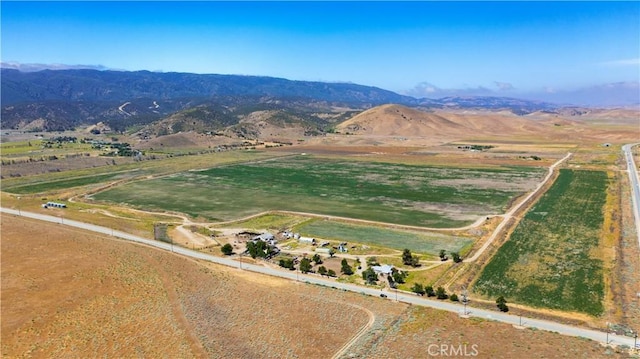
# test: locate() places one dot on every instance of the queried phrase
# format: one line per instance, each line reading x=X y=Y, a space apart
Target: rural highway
x=635 y=186
x=599 y=336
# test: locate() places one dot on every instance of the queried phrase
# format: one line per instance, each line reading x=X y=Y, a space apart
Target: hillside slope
x=397 y=120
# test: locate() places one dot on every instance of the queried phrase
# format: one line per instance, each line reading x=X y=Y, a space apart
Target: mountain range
x=65 y=99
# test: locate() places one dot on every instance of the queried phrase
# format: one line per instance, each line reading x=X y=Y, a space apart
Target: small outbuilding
x=307 y=240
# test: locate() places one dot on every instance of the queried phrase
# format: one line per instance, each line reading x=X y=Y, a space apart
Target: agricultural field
x=91 y=173
x=552 y=259
x=420 y=242
x=70 y=183
x=393 y=193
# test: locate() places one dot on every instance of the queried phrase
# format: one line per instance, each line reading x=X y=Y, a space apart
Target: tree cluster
x=260 y=249
x=322 y=270
x=346 y=268
x=409 y=259
x=287 y=263
x=305 y=265
x=454 y=255
x=370 y=276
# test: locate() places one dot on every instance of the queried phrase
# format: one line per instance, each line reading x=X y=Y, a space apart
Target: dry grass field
x=425 y=333
x=69 y=293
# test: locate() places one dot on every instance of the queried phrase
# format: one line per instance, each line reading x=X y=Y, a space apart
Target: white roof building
x=383 y=269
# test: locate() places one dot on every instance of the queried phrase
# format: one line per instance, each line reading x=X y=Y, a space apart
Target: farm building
x=266 y=237
x=307 y=240
x=323 y=250
x=54 y=205
x=289 y=235
x=383 y=269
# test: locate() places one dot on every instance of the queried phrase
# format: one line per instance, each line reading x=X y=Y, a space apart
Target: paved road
x=599 y=336
x=635 y=186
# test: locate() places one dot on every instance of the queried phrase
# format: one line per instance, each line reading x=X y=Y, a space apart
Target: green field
x=67 y=183
x=548 y=261
x=392 y=193
x=53 y=181
x=420 y=242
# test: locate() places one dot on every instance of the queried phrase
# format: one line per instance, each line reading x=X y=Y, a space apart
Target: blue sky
x=419 y=48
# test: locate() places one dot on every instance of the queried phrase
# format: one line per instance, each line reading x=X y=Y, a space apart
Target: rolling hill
x=398 y=120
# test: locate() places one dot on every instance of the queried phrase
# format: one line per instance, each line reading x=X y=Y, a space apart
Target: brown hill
x=396 y=120
x=440 y=126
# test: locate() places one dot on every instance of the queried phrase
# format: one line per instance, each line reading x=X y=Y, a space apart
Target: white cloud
x=426 y=89
x=39 y=67
x=623 y=62
x=504 y=86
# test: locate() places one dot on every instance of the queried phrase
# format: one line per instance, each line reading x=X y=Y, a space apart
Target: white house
x=383 y=269
x=266 y=237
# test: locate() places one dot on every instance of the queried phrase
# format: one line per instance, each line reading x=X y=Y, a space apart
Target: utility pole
x=607 y=333
x=465 y=300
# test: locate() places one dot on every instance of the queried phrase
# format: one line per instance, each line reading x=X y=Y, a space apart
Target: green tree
x=415 y=261
x=370 y=276
x=227 y=249
x=453 y=297
x=305 y=265
x=418 y=289
x=317 y=258
x=252 y=249
x=392 y=283
x=441 y=293
x=331 y=273
x=287 y=263
x=456 y=257
x=502 y=304
x=429 y=290
x=332 y=252
x=398 y=277
x=406 y=257
x=443 y=255
x=346 y=268
x=322 y=270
